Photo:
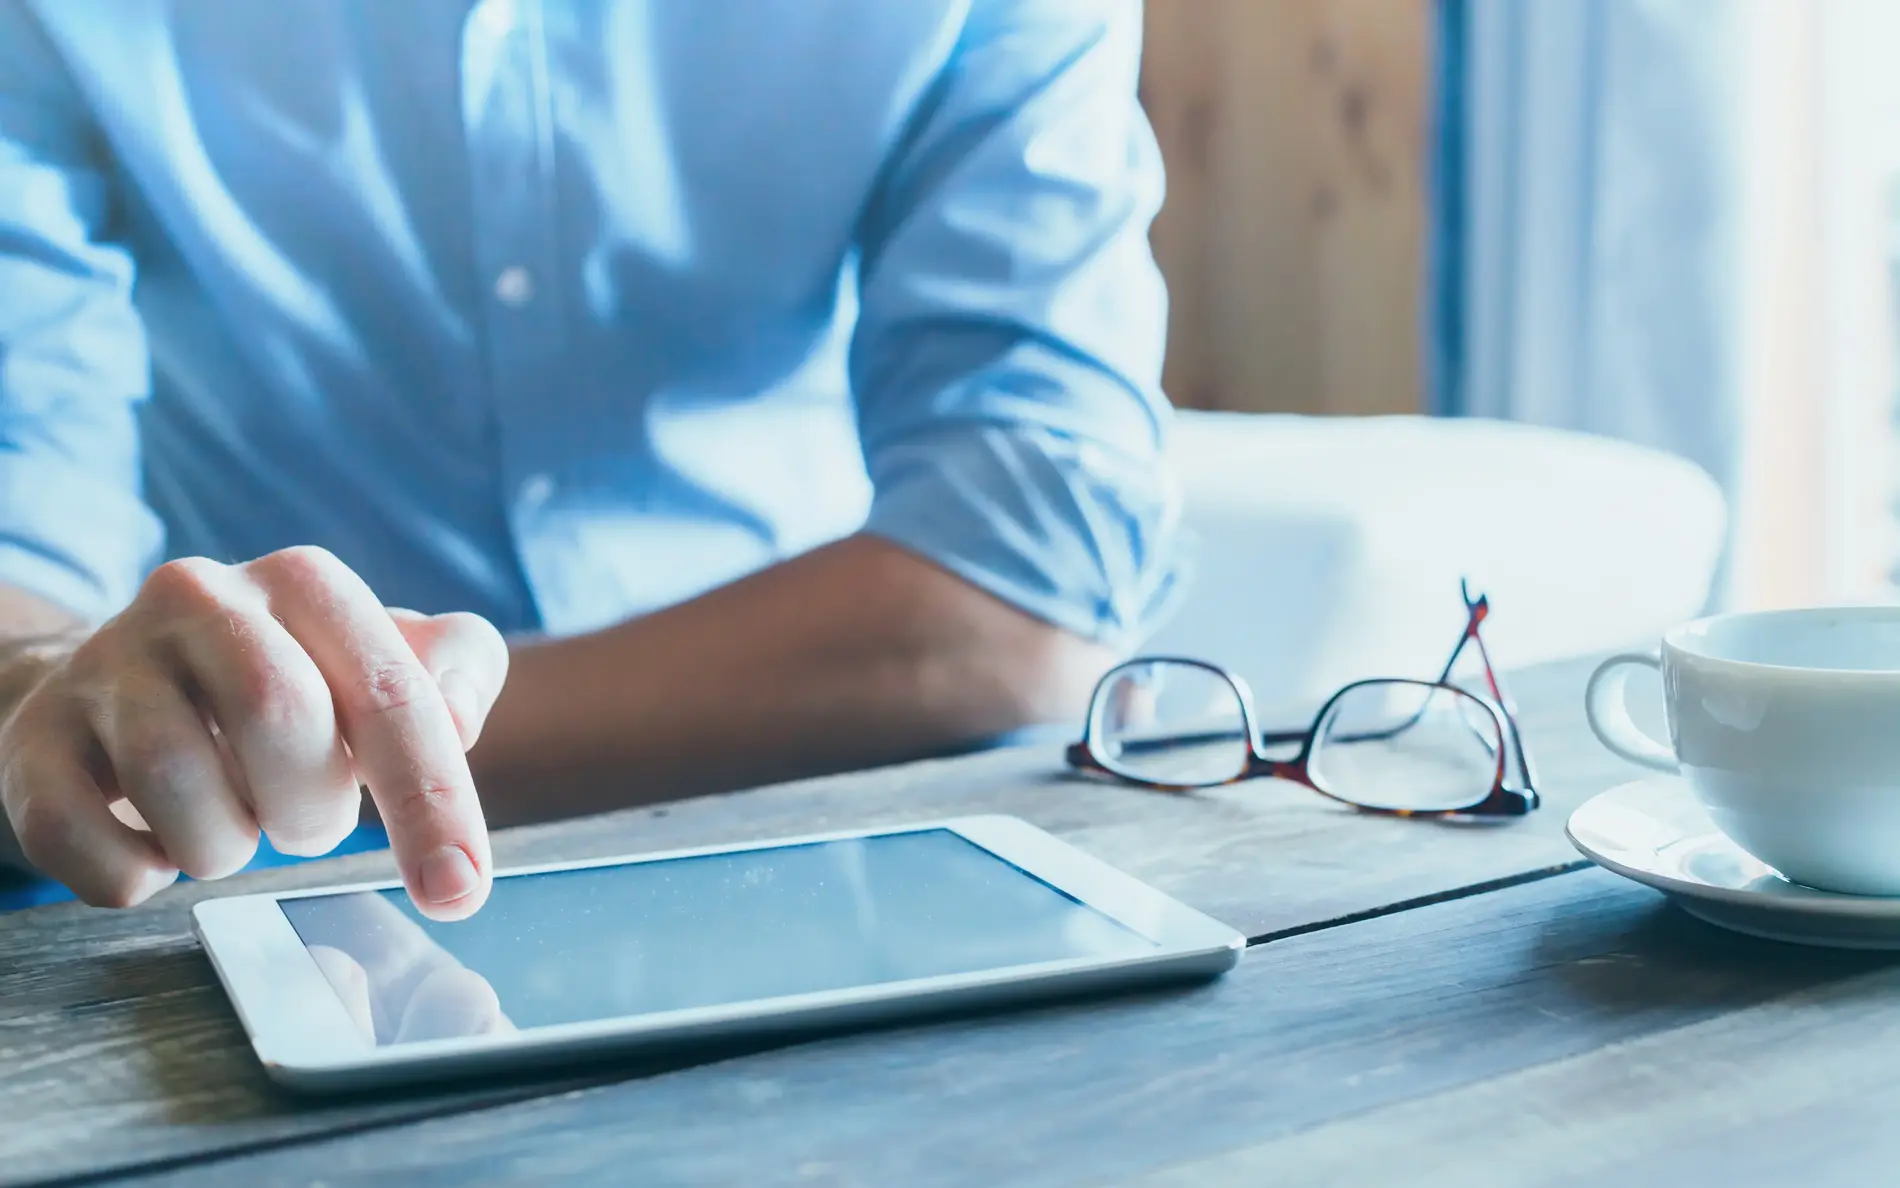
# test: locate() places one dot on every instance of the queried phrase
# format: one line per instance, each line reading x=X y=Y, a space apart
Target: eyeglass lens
x=1171 y=723
x=1406 y=745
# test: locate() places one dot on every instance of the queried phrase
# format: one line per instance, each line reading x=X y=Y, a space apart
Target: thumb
x=466 y=656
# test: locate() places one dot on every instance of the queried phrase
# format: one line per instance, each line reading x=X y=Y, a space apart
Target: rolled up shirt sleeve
x=73 y=527
x=1007 y=358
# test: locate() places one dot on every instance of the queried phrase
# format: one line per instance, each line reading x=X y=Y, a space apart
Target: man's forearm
x=856 y=654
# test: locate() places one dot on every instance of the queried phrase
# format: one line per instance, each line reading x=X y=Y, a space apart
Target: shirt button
x=514 y=288
x=536 y=491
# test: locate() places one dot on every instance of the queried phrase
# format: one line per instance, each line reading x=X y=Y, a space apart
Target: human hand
x=229 y=699
x=397 y=984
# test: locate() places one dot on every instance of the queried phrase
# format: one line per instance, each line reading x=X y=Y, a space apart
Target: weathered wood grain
x=1802 y=1089
x=118 y=1048
x=1309 y=1030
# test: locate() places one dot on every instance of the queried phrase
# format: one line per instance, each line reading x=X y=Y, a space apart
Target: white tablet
x=350 y=986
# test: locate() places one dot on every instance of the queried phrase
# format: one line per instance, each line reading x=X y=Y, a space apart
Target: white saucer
x=1654 y=832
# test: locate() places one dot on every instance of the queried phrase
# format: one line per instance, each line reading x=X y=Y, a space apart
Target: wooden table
x=1424 y=1003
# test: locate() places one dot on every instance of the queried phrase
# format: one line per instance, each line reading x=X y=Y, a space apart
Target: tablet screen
x=570 y=946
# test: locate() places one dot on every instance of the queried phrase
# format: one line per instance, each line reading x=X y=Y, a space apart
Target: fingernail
x=459 y=692
x=448 y=875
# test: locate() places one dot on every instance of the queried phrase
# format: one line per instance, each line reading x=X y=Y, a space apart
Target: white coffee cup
x=1786 y=724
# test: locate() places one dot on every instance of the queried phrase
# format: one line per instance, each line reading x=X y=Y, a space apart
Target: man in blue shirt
x=762 y=387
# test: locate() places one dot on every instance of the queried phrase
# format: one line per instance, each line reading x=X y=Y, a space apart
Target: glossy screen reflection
x=579 y=945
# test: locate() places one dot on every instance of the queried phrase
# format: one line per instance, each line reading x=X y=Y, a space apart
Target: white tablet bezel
x=304 y=1037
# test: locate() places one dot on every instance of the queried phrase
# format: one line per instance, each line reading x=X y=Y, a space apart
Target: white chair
x=1331 y=549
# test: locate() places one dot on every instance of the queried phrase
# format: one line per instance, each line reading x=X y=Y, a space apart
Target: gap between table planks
x=117 y=1047
x=1335 y=1057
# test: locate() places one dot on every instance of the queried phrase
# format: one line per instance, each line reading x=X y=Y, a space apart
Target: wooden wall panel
x=1293 y=235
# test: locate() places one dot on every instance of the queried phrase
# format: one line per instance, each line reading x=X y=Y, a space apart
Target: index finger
x=402 y=738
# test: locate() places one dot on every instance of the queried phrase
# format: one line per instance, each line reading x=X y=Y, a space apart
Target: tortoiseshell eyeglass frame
x=1502 y=801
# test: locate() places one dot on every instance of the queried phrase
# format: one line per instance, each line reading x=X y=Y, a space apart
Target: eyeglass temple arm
x=1479 y=609
x=1476 y=609
x=1524 y=769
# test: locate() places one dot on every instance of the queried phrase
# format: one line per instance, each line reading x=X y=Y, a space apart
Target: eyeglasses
x=1407 y=748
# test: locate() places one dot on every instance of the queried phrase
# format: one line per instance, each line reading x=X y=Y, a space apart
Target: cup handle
x=1609 y=713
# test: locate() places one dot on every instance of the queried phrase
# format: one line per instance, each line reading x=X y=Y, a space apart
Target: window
x=1816 y=514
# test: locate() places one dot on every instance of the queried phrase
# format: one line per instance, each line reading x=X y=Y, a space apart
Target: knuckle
x=307 y=566
x=383 y=690
x=186 y=585
x=189 y=600
x=286 y=704
x=213 y=859
x=423 y=801
x=313 y=826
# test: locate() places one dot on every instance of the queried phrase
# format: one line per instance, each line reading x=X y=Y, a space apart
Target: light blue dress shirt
x=562 y=312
